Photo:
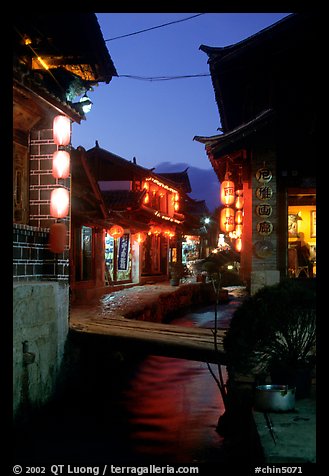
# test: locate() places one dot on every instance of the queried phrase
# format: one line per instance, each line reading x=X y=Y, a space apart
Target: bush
x=274 y=327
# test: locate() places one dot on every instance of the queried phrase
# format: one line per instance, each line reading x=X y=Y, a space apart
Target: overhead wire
x=163 y=78
x=154 y=27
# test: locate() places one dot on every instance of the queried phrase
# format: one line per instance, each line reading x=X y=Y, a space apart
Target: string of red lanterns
x=60 y=196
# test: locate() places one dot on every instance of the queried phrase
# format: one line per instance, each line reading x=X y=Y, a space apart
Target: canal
x=123 y=407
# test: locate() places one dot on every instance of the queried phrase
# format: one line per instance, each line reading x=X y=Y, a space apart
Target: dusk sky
x=155 y=121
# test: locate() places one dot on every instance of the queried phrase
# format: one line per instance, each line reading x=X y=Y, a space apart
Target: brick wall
x=32 y=259
x=42 y=181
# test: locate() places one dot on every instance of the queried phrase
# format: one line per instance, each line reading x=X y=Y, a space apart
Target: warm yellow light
x=227 y=219
x=227 y=191
x=239 y=202
x=238 y=245
x=238 y=230
x=140 y=237
x=116 y=231
x=239 y=217
x=43 y=63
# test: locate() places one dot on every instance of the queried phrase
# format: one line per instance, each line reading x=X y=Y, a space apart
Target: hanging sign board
x=123 y=252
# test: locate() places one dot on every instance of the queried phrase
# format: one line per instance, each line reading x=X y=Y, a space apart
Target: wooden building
x=150 y=209
x=56 y=59
x=265 y=88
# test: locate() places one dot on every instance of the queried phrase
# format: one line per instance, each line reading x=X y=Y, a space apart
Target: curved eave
x=49 y=100
x=223 y=52
x=238 y=133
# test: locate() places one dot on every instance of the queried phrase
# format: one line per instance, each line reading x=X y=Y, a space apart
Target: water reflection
x=143 y=409
x=175 y=411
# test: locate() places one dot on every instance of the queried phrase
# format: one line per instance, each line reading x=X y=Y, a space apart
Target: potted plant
x=273 y=335
x=176 y=272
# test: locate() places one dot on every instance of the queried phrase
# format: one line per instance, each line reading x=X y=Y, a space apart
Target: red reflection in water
x=173 y=408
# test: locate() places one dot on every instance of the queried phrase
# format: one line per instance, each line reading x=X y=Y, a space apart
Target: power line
x=154 y=27
x=163 y=78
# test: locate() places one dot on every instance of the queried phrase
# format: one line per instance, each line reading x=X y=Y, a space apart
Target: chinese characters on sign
x=264 y=210
x=263 y=175
x=123 y=252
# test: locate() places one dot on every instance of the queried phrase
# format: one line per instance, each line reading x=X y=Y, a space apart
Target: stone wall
x=40 y=328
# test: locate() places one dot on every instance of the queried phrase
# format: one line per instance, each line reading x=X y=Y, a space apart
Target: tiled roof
x=121 y=200
x=179 y=178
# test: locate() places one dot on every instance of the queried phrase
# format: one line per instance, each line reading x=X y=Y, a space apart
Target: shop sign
x=123 y=252
x=264 y=228
x=264 y=210
x=264 y=193
x=264 y=175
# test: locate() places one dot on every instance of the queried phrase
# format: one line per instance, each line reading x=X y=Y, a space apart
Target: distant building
x=265 y=88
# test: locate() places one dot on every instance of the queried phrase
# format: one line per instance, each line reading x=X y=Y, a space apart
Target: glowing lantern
x=169 y=233
x=155 y=230
x=61 y=164
x=57 y=237
x=62 y=130
x=239 y=217
x=239 y=202
x=140 y=237
x=238 y=245
x=116 y=231
x=59 y=202
x=238 y=230
x=227 y=219
x=146 y=198
x=227 y=190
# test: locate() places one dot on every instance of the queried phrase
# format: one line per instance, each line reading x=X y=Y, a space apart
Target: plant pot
x=274 y=398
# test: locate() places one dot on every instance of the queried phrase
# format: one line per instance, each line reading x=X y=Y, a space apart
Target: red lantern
x=140 y=237
x=116 y=231
x=155 y=230
x=227 y=191
x=57 y=237
x=238 y=230
x=238 y=245
x=239 y=202
x=61 y=164
x=227 y=219
x=62 y=130
x=59 y=202
x=239 y=217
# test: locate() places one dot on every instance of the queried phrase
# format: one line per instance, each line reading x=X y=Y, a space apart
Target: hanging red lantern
x=140 y=237
x=59 y=202
x=239 y=202
x=61 y=164
x=238 y=230
x=227 y=190
x=156 y=230
x=57 y=237
x=62 y=130
x=238 y=245
x=116 y=231
x=227 y=219
x=239 y=217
